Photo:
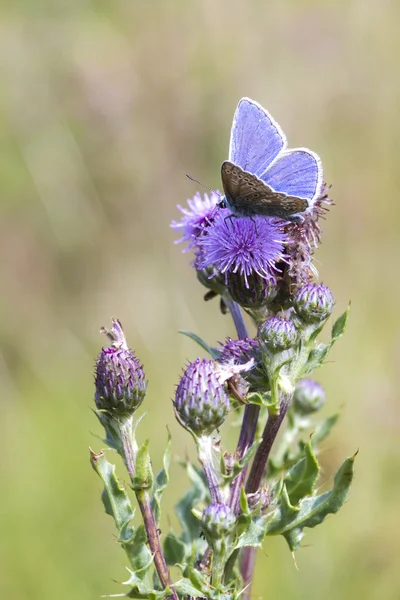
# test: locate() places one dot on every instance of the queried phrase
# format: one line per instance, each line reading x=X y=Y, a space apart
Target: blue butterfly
x=262 y=177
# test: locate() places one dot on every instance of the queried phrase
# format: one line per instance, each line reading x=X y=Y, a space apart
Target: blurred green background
x=104 y=107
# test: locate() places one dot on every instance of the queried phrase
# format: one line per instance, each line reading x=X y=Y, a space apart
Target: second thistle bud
x=217 y=521
x=314 y=302
x=119 y=378
x=201 y=400
x=277 y=334
x=309 y=396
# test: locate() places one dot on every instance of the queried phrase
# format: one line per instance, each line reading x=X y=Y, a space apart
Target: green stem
x=129 y=452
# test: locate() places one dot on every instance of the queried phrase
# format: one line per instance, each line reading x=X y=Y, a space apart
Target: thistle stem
x=204 y=446
x=237 y=317
x=128 y=452
x=257 y=471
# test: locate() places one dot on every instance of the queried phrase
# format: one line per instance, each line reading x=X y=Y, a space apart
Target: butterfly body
x=247 y=196
x=261 y=176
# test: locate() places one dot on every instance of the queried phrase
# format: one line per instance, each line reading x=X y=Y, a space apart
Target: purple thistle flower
x=243 y=246
x=196 y=217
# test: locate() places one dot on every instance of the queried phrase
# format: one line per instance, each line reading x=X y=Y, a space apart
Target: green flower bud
x=313 y=302
x=217 y=521
x=309 y=396
x=277 y=334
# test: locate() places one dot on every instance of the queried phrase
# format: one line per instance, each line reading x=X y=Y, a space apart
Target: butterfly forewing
x=247 y=195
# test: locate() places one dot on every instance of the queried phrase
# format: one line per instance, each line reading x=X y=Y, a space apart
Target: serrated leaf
x=214 y=352
x=198 y=492
x=339 y=326
x=115 y=499
x=140 y=587
x=174 y=549
x=316 y=358
x=302 y=477
x=323 y=429
x=117 y=504
x=186 y=588
x=161 y=482
x=290 y=521
x=253 y=531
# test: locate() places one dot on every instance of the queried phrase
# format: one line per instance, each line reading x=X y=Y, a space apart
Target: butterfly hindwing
x=247 y=195
x=296 y=173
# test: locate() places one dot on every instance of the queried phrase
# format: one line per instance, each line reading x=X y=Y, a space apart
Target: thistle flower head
x=313 y=302
x=242 y=246
x=119 y=378
x=277 y=334
x=196 y=217
x=217 y=521
x=201 y=400
x=303 y=238
x=254 y=292
x=309 y=396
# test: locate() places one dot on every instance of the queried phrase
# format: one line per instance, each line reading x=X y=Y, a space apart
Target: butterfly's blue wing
x=256 y=139
x=296 y=173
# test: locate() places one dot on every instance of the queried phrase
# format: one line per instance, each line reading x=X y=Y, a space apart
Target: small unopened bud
x=260 y=499
x=313 y=302
x=217 y=521
x=254 y=292
x=309 y=396
x=201 y=400
x=119 y=378
x=277 y=334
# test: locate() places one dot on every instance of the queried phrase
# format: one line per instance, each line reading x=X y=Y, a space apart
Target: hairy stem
x=204 y=446
x=257 y=471
x=129 y=451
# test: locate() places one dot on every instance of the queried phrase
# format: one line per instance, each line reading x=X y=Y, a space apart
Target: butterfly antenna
x=203 y=184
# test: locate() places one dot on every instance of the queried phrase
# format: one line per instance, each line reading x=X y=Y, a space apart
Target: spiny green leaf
x=161 y=481
x=197 y=492
x=140 y=587
x=174 y=549
x=316 y=358
x=253 y=531
x=117 y=504
x=339 y=326
x=214 y=353
x=290 y=521
x=323 y=429
x=302 y=477
x=115 y=498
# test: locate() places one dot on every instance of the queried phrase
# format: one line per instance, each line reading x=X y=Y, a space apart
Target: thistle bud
x=119 y=378
x=201 y=400
x=239 y=352
x=313 y=302
x=217 y=521
x=277 y=334
x=255 y=292
x=309 y=396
